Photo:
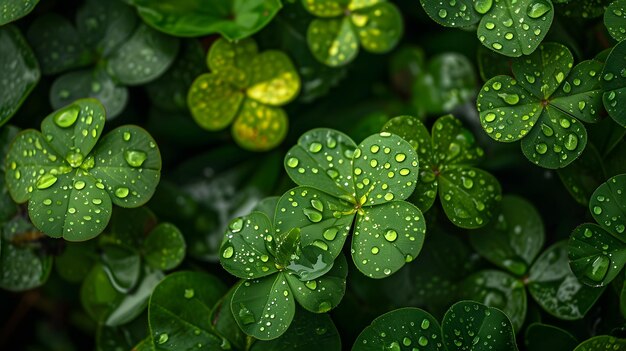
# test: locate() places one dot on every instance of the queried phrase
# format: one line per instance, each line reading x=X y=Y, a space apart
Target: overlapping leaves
x=341 y=27
x=468 y=194
x=614 y=83
x=103 y=53
x=511 y=28
x=71 y=178
x=245 y=88
x=466 y=325
x=543 y=104
x=597 y=252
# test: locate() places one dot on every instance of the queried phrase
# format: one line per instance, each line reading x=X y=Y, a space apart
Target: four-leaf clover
x=70 y=178
x=248 y=88
x=543 y=104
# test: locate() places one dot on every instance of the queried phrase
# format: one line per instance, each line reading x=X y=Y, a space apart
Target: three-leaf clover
x=71 y=179
x=342 y=185
x=19 y=69
x=246 y=87
x=278 y=267
x=468 y=194
x=234 y=19
x=597 y=252
x=342 y=26
x=543 y=104
x=511 y=28
x=614 y=84
x=467 y=325
x=512 y=242
x=106 y=51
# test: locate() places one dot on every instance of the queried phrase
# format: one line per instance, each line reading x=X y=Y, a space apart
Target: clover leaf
x=543 y=104
x=584 y=175
x=71 y=179
x=245 y=88
x=234 y=19
x=109 y=41
x=178 y=311
x=11 y=10
x=512 y=242
x=615 y=19
x=279 y=267
x=540 y=336
x=468 y=194
x=600 y=342
x=19 y=69
x=509 y=28
x=340 y=180
x=340 y=27
x=597 y=252
x=467 y=325
x=614 y=84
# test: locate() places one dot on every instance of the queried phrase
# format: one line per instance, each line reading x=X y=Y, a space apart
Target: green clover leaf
x=597 y=253
x=280 y=266
x=584 y=175
x=600 y=342
x=71 y=180
x=543 y=104
x=615 y=19
x=511 y=28
x=468 y=194
x=467 y=325
x=614 y=83
x=340 y=180
x=340 y=27
x=108 y=46
x=234 y=19
x=178 y=311
x=20 y=71
x=11 y=10
x=245 y=88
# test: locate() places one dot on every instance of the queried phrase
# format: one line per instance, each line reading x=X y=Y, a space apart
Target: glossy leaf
x=179 y=309
x=264 y=307
x=386 y=237
x=472 y=326
x=401 y=329
x=122 y=265
x=104 y=25
x=453 y=14
x=333 y=41
x=556 y=289
x=583 y=176
x=614 y=84
x=600 y=342
x=615 y=19
x=143 y=57
x=213 y=102
x=259 y=127
x=323 y=293
x=246 y=240
x=379 y=27
x=453 y=144
x=165 y=247
x=89 y=83
x=23 y=265
x=224 y=323
x=608 y=205
x=18 y=66
x=234 y=19
x=514 y=238
x=323 y=220
x=273 y=78
x=500 y=290
x=12 y=10
x=307 y=162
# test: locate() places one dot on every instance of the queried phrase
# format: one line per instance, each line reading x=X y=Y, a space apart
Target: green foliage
x=279 y=156
x=245 y=88
x=70 y=178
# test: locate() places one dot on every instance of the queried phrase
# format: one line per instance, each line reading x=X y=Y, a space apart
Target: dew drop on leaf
x=135 y=158
x=537 y=9
x=598 y=269
x=67 y=117
x=122 y=192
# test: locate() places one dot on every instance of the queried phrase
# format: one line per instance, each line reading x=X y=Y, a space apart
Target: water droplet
x=315 y=147
x=482 y=6
x=443 y=13
x=236 y=225
x=571 y=142
x=135 y=158
x=330 y=233
x=510 y=99
x=79 y=185
x=490 y=117
x=324 y=306
x=317 y=204
x=75 y=159
x=313 y=215
x=394 y=346
x=565 y=123
x=547 y=130
x=597 y=210
x=292 y=162
x=121 y=192
x=598 y=269
x=581 y=105
x=425 y=324
x=228 y=252
x=66 y=117
x=541 y=148
x=422 y=341
x=163 y=339
x=46 y=181
x=245 y=315
x=311 y=284
x=375 y=250
x=391 y=235
x=496 y=46
x=189 y=293
x=537 y=9
x=468 y=183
